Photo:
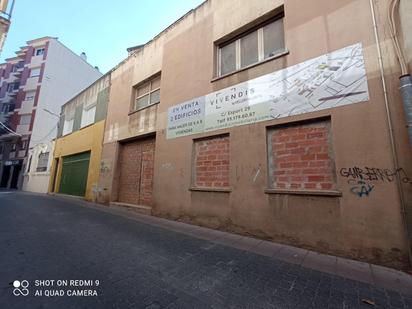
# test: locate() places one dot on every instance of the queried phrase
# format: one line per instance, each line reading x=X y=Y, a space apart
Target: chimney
x=97 y=68
x=83 y=56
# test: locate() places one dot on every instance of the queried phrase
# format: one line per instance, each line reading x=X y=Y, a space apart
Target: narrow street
x=141 y=265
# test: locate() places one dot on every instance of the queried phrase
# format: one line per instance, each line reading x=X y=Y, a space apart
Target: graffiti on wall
x=104 y=167
x=363 y=180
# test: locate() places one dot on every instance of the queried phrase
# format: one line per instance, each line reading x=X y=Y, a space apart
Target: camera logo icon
x=20 y=288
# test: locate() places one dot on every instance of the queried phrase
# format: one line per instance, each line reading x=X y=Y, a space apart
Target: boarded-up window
x=301 y=157
x=211 y=162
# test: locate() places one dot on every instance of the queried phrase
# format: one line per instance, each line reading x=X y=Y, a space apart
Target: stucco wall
x=34 y=181
x=405 y=10
x=87 y=139
x=369 y=228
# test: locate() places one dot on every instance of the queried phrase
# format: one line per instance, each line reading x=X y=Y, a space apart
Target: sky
x=103 y=29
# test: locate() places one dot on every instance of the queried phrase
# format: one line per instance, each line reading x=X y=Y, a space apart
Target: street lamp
x=51 y=113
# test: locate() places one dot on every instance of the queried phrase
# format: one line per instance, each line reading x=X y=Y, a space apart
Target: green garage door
x=74 y=174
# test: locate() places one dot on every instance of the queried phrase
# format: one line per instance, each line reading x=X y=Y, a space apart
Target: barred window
x=42 y=162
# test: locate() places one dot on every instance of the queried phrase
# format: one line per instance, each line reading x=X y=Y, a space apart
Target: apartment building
x=34 y=85
x=266 y=119
x=76 y=159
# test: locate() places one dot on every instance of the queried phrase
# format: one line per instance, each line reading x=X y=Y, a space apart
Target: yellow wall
x=86 y=139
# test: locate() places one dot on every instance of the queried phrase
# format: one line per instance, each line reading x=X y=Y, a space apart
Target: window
x=39 y=51
x=22 y=145
x=42 y=162
x=68 y=126
x=13 y=86
x=147 y=94
x=6 y=107
x=88 y=115
x=251 y=47
x=35 y=72
x=69 y=112
x=25 y=119
x=30 y=95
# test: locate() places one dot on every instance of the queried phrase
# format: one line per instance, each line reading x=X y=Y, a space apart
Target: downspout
x=390 y=128
x=406 y=93
x=405 y=79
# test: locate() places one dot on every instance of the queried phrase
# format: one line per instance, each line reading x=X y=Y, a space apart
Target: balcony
x=18 y=69
x=36 y=61
x=13 y=89
x=23 y=129
x=8 y=107
x=26 y=107
x=31 y=83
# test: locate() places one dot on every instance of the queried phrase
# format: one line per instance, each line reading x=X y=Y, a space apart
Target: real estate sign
x=186 y=118
x=331 y=80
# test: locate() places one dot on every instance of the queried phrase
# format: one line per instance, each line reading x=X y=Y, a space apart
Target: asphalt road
x=122 y=263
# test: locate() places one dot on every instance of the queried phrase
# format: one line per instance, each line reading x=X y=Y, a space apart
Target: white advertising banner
x=186 y=118
x=328 y=81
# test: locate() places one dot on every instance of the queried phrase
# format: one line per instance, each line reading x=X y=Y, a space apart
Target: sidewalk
x=375 y=275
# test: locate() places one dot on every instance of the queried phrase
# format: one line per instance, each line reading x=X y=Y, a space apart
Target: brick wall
x=146 y=182
x=301 y=157
x=212 y=162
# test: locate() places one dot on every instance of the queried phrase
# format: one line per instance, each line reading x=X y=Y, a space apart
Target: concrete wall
x=405 y=11
x=87 y=139
x=367 y=228
x=38 y=181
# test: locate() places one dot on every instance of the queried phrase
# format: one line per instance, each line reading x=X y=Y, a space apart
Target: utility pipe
x=390 y=127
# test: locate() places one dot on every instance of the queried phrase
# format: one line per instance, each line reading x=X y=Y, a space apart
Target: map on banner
x=331 y=80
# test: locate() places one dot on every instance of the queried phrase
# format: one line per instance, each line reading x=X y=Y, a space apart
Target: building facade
x=269 y=120
x=34 y=85
x=76 y=160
